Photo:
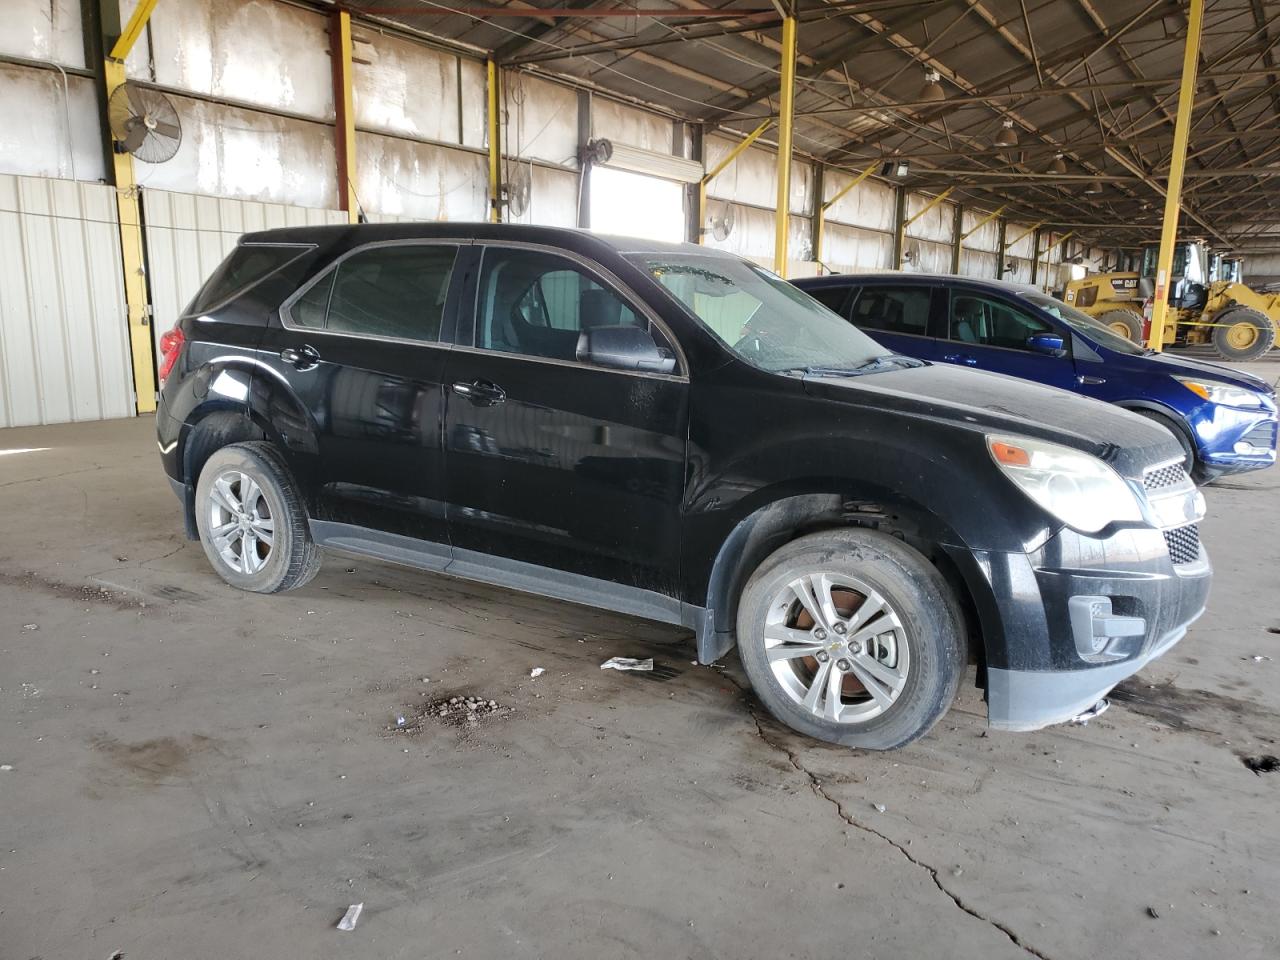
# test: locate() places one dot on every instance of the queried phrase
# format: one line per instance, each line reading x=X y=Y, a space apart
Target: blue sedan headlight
x=1224 y=393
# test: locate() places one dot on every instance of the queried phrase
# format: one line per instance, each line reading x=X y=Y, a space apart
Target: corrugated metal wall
x=188 y=235
x=64 y=348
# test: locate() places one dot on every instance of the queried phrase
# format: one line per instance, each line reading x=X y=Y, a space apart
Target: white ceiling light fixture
x=1006 y=137
x=1058 y=165
x=931 y=91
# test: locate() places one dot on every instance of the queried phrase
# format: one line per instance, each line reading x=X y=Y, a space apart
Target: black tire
x=1131 y=322
x=292 y=558
x=1188 y=451
x=1232 y=321
x=932 y=630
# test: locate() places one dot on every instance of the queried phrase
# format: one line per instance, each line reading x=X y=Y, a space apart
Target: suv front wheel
x=852 y=637
x=252 y=524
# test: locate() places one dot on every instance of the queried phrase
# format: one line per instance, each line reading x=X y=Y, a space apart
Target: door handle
x=481 y=392
x=964 y=358
x=305 y=357
x=1092 y=381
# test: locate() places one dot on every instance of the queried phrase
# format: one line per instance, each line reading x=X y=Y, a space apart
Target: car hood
x=1176 y=366
x=992 y=403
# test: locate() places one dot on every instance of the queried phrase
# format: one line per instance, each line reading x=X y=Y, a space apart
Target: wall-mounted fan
x=720 y=220
x=595 y=151
x=519 y=186
x=911 y=252
x=144 y=123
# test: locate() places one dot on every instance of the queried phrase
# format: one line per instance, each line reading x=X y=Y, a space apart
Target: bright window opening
x=633 y=205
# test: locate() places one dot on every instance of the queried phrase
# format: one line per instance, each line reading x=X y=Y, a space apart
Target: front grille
x=1263 y=435
x=1183 y=543
x=1169 y=475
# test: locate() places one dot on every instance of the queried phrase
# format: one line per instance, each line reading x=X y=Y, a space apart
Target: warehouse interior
x=240 y=771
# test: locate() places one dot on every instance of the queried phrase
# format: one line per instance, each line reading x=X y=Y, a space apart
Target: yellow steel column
x=820 y=232
x=1177 y=160
x=344 y=126
x=130 y=216
x=495 y=141
x=786 y=116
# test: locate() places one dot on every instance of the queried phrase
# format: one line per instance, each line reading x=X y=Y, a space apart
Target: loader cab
x=1189 y=278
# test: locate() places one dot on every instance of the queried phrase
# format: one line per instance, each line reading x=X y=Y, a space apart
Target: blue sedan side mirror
x=1049 y=343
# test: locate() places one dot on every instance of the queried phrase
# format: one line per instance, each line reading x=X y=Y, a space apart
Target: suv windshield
x=763 y=319
x=1085 y=324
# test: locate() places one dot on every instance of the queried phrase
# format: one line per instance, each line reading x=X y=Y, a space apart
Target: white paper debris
x=6 y=766
x=348 y=921
x=537 y=671
x=31 y=626
x=627 y=663
x=880 y=807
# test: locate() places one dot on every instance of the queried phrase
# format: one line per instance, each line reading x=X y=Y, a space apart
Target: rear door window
x=903 y=310
x=246 y=265
x=395 y=291
x=992 y=323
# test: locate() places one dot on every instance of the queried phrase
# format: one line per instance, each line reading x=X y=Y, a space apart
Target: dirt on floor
x=186 y=770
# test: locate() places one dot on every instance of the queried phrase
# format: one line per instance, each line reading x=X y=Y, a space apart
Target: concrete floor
x=193 y=772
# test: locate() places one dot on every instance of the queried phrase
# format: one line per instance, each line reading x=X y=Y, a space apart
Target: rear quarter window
x=246 y=265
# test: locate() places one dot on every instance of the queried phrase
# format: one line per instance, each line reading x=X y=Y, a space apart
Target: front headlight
x=1223 y=393
x=1078 y=489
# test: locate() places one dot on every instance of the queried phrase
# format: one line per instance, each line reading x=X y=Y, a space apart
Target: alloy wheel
x=240 y=522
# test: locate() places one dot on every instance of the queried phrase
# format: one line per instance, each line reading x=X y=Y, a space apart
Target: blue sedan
x=1225 y=420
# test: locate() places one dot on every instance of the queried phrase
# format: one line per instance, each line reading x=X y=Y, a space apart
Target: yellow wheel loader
x=1239 y=322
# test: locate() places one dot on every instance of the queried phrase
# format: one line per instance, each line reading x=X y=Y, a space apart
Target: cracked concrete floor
x=196 y=772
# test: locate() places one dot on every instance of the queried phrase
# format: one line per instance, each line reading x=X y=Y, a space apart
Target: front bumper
x=1235 y=440
x=1041 y=668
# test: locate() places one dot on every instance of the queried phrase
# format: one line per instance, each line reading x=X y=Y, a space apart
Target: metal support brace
x=344 y=126
x=1177 y=162
x=1045 y=253
x=494 y=118
x=820 y=217
x=718 y=169
x=786 y=117
x=902 y=232
x=957 y=224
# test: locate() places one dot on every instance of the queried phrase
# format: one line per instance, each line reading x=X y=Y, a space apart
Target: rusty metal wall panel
x=553 y=197
x=638 y=128
x=188 y=235
x=753 y=177
x=64 y=343
x=402 y=179
x=43 y=135
x=936 y=224
x=852 y=249
x=986 y=237
x=247 y=154
x=407 y=89
x=542 y=119
x=870 y=204
x=43 y=30
x=233 y=49
x=978 y=263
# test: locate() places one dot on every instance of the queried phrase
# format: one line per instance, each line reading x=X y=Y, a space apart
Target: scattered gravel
x=462 y=711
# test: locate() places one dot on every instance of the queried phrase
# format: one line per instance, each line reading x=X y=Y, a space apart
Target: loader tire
x=1242 y=333
x=1124 y=322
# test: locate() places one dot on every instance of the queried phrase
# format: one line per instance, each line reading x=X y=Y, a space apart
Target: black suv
x=675 y=433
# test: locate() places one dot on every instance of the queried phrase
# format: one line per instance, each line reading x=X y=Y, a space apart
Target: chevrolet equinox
x=675 y=433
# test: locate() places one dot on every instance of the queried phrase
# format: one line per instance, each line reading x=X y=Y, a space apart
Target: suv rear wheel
x=251 y=520
x=852 y=637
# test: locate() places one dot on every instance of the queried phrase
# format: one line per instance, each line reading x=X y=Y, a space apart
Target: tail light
x=171 y=344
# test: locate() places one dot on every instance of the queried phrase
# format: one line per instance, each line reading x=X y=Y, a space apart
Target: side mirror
x=1049 y=343
x=624 y=348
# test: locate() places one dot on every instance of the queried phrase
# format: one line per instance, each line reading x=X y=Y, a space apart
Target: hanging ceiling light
x=1094 y=187
x=932 y=91
x=1059 y=164
x=1006 y=137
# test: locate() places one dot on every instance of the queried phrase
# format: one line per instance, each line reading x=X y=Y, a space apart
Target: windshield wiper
x=867 y=366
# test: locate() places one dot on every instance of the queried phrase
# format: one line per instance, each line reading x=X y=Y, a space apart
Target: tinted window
x=536 y=304
x=391 y=291
x=833 y=298
x=243 y=267
x=893 y=309
x=992 y=323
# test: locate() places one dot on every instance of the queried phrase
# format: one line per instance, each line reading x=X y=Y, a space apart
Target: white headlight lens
x=1222 y=393
x=1078 y=489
